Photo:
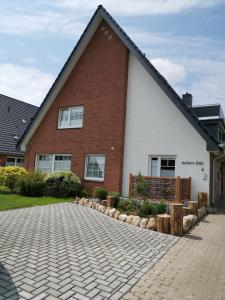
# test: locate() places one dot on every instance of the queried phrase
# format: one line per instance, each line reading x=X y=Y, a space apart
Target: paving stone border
x=67 y=251
x=114 y=213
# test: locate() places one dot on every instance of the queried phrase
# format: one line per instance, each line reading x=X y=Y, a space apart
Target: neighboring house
x=111 y=113
x=15 y=116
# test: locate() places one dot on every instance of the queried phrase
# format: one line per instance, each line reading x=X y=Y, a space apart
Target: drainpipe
x=214 y=160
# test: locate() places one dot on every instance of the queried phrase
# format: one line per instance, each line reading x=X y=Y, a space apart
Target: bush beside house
x=9 y=176
x=63 y=184
x=31 y=184
x=35 y=184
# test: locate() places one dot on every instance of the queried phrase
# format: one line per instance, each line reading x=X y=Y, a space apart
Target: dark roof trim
x=169 y=91
x=13 y=154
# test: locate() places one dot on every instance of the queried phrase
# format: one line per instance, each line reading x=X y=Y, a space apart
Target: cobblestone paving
x=65 y=251
x=193 y=269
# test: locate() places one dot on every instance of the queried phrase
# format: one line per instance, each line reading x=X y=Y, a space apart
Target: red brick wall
x=99 y=83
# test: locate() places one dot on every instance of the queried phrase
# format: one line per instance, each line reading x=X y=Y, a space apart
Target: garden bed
x=141 y=208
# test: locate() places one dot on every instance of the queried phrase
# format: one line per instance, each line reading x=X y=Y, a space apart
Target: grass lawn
x=11 y=201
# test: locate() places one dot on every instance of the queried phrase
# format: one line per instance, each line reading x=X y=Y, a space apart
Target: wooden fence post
x=110 y=201
x=130 y=185
x=189 y=188
x=177 y=189
x=176 y=219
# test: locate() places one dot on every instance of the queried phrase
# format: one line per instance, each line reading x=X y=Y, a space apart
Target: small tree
x=141 y=187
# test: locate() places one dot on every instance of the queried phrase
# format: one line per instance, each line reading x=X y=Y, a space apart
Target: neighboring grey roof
x=208 y=110
x=15 y=116
x=170 y=92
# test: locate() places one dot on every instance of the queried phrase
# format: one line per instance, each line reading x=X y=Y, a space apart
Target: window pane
x=62 y=163
x=44 y=163
x=167 y=172
x=172 y=162
x=76 y=116
x=95 y=165
x=164 y=162
x=10 y=161
x=64 y=117
x=154 y=166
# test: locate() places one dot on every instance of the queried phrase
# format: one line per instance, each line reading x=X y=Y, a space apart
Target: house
x=15 y=116
x=110 y=113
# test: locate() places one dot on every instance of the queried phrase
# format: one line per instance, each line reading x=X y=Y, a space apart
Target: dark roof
x=15 y=116
x=211 y=110
x=165 y=86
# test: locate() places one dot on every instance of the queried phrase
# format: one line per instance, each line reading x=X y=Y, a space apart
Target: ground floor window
x=14 y=161
x=49 y=163
x=162 y=166
x=94 y=167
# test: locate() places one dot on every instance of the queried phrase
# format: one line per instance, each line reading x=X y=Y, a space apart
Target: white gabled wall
x=155 y=126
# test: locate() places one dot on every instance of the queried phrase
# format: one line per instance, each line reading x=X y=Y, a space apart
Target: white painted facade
x=155 y=126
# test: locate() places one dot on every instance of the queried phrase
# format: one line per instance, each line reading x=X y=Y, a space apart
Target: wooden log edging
x=176 y=219
x=163 y=223
x=193 y=205
x=202 y=200
x=186 y=211
x=180 y=220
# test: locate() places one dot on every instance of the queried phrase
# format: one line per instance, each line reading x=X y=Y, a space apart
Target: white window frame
x=160 y=157
x=69 y=109
x=14 y=157
x=53 y=155
x=85 y=169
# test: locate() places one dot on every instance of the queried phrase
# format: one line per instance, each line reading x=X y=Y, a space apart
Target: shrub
x=10 y=175
x=116 y=198
x=136 y=203
x=101 y=193
x=5 y=190
x=31 y=184
x=150 y=208
x=62 y=184
x=146 y=209
x=141 y=187
x=81 y=192
x=125 y=204
x=159 y=208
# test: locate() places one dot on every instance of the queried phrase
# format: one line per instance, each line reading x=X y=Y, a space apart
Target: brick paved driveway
x=65 y=251
x=194 y=269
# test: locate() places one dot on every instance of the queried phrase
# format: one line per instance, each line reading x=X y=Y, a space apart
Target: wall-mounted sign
x=195 y=163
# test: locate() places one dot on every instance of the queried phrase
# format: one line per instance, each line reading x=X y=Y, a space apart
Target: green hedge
x=63 y=184
x=32 y=184
x=58 y=184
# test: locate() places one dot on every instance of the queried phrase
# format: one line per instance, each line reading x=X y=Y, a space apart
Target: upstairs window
x=162 y=166
x=48 y=163
x=71 y=117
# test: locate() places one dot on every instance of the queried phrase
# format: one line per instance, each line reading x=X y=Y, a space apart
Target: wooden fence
x=174 y=189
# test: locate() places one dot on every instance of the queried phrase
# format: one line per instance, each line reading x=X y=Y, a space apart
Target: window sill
x=93 y=179
x=77 y=127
